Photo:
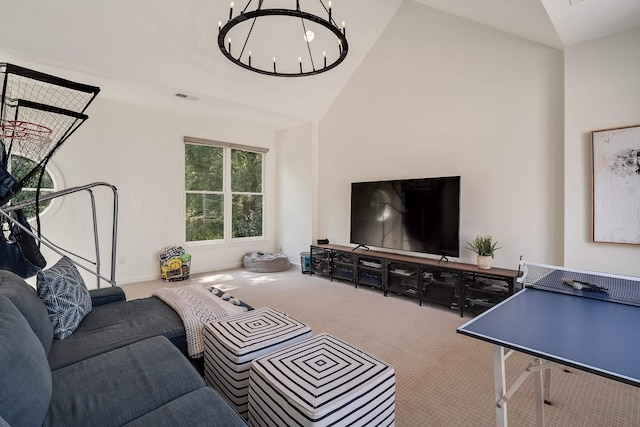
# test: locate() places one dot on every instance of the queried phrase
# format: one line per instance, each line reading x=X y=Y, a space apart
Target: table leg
x=539 y=392
x=500 y=385
x=542 y=382
x=547 y=386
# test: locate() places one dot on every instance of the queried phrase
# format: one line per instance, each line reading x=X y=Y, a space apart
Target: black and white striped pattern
x=232 y=343
x=321 y=382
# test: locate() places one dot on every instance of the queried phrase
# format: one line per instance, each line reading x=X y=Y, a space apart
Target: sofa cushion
x=119 y=386
x=115 y=325
x=203 y=407
x=26 y=300
x=65 y=295
x=106 y=295
x=25 y=379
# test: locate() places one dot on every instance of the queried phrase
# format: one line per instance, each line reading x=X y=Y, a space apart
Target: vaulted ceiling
x=146 y=51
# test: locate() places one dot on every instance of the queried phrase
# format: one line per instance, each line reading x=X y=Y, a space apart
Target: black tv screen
x=417 y=215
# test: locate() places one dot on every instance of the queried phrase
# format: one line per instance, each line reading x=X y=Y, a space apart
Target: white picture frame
x=616 y=185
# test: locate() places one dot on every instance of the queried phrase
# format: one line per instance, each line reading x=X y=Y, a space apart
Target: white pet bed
x=265 y=262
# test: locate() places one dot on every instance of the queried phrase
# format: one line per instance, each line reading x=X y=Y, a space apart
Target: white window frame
x=226 y=191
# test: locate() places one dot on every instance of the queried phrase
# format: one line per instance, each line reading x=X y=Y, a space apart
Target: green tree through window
x=246 y=189
x=19 y=167
x=216 y=177
x=205 y=198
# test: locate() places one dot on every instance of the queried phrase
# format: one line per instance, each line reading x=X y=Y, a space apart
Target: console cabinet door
x=403 y=278
x=343 y=266
x=439 y=286
x=320 y=261
x=371 y=272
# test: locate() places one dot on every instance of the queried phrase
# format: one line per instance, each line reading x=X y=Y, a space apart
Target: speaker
x=323 y=241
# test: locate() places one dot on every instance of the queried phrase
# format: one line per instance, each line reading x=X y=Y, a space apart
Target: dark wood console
x=453 y=284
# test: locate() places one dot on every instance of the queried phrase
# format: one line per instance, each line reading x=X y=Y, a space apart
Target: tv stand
x=456 y=285
x=443 y=258
x=361 y=246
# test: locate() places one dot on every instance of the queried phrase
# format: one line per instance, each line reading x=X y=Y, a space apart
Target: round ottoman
x=265 y=262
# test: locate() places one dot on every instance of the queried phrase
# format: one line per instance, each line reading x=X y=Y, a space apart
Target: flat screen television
x=417 y=215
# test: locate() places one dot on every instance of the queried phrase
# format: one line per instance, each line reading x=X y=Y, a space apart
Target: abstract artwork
x=616 y=185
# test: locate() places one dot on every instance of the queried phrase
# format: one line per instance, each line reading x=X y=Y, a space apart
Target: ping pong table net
x=589 y=284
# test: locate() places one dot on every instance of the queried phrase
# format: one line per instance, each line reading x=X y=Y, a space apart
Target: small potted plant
x=485 y=247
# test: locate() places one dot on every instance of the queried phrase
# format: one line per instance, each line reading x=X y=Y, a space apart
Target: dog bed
x=265 y=262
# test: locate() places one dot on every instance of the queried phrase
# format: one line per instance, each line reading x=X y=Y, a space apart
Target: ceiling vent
x=185 y=96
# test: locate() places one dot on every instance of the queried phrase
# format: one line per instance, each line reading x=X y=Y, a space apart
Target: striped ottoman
x=321 y=382
x=231 y=343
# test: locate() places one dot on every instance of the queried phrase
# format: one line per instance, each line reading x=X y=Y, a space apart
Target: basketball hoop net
x=24 y=131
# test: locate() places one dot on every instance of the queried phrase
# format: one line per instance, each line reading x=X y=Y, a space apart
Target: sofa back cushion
x=26 y=300
x=25 y=376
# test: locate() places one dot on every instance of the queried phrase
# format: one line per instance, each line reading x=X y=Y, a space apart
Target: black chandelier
x=301 y=42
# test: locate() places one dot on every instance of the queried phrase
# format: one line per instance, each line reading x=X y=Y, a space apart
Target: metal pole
x=4 y=211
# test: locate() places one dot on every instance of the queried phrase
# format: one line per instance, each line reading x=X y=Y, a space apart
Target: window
x=224 y=191
x=19 y=167
x=246 y=193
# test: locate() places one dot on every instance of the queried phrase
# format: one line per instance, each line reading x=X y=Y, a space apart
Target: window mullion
x=262 y=194
x=226 y=181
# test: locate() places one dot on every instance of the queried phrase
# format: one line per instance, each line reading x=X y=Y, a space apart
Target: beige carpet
x=443 y=378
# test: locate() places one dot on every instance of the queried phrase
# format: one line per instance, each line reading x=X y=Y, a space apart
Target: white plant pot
x=484 y=262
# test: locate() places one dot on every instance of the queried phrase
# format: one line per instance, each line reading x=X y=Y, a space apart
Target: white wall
x=438 y=96
x=294 y=194
x=140 y=151
x=602 y=92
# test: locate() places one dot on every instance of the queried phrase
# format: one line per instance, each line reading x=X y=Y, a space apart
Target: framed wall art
x=616 y=185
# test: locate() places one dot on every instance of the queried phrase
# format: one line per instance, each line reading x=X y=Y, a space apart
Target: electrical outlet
x=121 y=260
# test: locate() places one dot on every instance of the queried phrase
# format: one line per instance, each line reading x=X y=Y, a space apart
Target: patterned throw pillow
x=65 y=295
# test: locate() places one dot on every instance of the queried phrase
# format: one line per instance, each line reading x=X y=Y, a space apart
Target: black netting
x=607 y=287
x=38 y=112
x=19 y=251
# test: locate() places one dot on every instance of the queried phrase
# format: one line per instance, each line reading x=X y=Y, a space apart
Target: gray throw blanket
x=196 y=306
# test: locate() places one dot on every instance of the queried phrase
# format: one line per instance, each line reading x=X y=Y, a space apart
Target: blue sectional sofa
x=124 y=365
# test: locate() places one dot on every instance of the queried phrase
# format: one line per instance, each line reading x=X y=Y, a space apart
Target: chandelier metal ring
x=245 y=16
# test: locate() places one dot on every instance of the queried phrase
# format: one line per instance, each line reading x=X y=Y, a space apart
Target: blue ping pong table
x=593 y=331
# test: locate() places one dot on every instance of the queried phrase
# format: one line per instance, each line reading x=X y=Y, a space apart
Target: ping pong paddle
x=583 y=286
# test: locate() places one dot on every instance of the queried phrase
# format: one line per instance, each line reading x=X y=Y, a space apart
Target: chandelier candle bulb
x=300 y=62
x=309 y=36
x=249 y=58
x=329 y=11
x=274 y=64
x=324 y=53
